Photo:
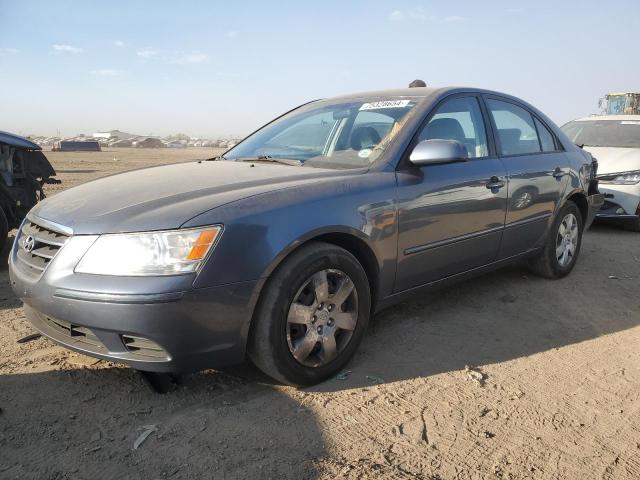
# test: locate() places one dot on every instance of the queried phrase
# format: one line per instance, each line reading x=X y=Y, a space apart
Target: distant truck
x=627 y=103
x=23 y=171
x=76 y=146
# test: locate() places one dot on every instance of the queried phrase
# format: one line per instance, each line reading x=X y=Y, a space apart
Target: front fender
x=317 y=233
x=260 y=231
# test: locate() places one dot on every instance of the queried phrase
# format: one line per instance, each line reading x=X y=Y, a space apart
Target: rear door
x=451 y=216
x=537 y=170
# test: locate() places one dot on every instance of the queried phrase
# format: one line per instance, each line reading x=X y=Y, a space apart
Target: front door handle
x=495 y=183
x=558 y=173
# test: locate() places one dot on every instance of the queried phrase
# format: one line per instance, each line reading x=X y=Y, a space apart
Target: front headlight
x=171 y=252
x=627 y=178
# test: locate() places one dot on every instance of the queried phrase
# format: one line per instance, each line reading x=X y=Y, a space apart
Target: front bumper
x=622 y=202
x=159 y=324
x=188 y=332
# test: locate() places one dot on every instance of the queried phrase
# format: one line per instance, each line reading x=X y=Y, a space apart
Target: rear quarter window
x=547 y=140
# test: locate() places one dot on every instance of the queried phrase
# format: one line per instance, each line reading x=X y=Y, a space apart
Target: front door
x=451 y=216
x=538 y=174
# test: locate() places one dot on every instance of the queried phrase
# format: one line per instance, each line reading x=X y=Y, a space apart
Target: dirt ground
x=552 y=391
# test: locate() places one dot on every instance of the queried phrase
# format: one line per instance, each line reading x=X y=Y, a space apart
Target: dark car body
x=24 y=170
x=410 y=228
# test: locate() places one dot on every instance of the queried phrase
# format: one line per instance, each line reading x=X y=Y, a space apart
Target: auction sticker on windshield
x=385 y=104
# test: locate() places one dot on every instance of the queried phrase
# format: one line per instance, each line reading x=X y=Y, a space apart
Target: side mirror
x=429 y=152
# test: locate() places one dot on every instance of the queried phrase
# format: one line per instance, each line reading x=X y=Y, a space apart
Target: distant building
x=114 y=134
x=120 y=143
x=150 y=142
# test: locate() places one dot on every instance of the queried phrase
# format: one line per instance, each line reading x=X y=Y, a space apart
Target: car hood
x=165 y=197
x=615 y=160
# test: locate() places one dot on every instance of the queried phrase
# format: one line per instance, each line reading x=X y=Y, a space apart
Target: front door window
x=459 y=119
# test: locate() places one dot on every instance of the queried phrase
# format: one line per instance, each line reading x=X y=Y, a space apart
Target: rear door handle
x=495 y=183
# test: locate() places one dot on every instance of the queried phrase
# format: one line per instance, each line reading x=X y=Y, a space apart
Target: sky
x=224 y=68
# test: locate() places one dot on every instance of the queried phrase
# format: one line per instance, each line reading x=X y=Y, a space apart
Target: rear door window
x=515 y=126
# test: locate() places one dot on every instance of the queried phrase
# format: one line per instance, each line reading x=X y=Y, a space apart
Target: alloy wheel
x=567 y=240
x=322 y=317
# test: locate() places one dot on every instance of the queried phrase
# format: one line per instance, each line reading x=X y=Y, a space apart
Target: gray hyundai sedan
x=282 y=249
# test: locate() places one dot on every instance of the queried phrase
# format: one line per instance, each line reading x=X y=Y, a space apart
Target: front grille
x=143 y=346
x=609 y=208
x=84 y=338
x=37 y=245
x=76 y=334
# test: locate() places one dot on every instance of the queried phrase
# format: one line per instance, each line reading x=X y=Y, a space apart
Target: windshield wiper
x=269 y=158
x=213 y=159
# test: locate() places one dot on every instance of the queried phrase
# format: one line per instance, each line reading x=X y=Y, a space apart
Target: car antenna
x=417 y=83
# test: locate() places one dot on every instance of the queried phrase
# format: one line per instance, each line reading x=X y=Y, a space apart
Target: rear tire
x=312 y=315
x=562 y=247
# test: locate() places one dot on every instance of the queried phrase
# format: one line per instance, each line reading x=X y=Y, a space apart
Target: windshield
x=605 y=133
x=616 y=104
x=339 y=135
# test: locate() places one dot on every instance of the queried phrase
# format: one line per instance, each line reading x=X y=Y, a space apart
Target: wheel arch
x=359 y=249
x=580 y=199
x=352 y=240
x=347 y=238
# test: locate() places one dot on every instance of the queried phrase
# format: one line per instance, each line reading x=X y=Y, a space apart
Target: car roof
x=397 y=92
x=422 y=92
x=595 y=118
x=17 y=141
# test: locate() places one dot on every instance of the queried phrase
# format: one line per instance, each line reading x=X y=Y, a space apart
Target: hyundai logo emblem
x=29 y=243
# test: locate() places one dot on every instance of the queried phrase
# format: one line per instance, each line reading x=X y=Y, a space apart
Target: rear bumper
x=165 y=332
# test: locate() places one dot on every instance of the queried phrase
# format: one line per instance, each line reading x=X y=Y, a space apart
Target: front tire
x=561 y=250
x=312 y=315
